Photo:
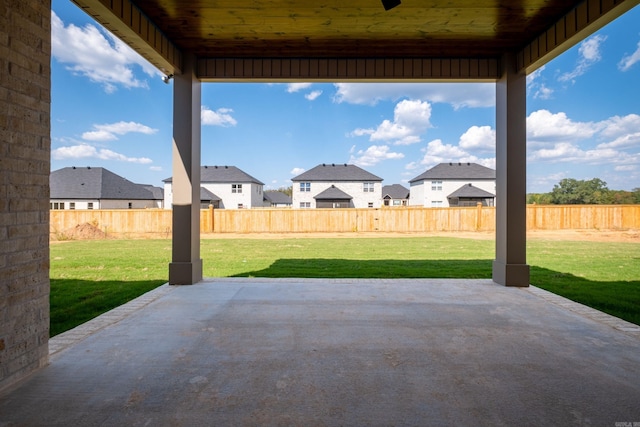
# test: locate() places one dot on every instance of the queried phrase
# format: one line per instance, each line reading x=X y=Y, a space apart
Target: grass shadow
x=73 y=302
x=618 y=298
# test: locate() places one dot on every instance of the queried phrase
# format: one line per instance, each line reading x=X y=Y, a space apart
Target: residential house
x=227 y=187
x=395 y=195
x=276 y=199
x=98 y=188
x=337 y=186
x=454 y=184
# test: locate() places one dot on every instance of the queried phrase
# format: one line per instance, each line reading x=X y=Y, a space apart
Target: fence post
x=211 y=218
x=478 y=216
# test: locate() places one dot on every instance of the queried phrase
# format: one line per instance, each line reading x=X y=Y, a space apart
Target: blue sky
x=110 y=108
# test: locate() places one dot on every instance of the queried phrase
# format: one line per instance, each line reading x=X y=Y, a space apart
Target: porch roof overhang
x=332 y=40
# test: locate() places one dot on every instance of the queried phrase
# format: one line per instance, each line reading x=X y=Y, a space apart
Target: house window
x=240 y=206
x=436 y=185
x=90 y=205
x=305 y=187
x=236 y=188
x=370 y=204
x=130 y=205
x=436 y=203
x=57 y=205
x=305 y=205
x=72 y=205
x=398 y=202
x=367 y=187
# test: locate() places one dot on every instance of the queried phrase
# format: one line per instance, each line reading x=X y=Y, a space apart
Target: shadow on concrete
x=618 y=298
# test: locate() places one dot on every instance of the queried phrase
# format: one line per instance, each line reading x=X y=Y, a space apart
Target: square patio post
x=510 y=265
x=186 y=265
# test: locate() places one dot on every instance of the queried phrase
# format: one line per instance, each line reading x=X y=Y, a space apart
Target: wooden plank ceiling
x=352 y=28
x=351 y=39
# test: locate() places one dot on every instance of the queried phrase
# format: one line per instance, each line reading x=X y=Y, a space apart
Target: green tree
x=287 y=190
x=539 y=198
x=571 y=191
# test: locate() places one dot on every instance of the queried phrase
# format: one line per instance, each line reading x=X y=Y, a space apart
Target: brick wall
x=25 y=88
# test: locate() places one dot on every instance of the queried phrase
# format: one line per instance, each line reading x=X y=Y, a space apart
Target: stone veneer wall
x=25 y=95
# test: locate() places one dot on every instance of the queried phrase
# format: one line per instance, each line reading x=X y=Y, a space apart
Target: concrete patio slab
x=314 y=352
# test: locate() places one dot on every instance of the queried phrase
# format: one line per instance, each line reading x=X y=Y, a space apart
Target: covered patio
x=263 y=352
x=315 y=352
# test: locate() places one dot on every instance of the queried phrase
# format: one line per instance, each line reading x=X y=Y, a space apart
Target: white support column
x=510 y=266
x=186 y=265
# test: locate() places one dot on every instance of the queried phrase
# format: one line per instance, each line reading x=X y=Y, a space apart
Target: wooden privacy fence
x=398 y=219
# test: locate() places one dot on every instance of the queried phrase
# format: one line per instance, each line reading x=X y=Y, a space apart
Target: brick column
x=25 y=94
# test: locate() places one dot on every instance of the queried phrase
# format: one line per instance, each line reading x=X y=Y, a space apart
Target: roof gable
x=208 y=195
x=277 y=197
x=449 y=171
x=395 y=191
x=95 y=183
x=469 y=190
x=336 y=172
x=332 y=193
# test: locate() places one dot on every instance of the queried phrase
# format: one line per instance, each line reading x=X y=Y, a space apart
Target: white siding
x=250 y=197
x=106 y=204
x=423 y=195
x=360 y=199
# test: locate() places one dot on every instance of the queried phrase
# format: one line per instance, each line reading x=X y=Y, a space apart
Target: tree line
x=571 y=191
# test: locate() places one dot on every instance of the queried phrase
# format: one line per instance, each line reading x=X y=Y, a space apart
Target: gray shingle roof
x=457 y=171
x=395 y=191
x=469 y=190
x=336 y=172
x=277 y=197
x=208 y=195
x=226 y=174
x=332 y=193
x=158 y=192
x=95 y=183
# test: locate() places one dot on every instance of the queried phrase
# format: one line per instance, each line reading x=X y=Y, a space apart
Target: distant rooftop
x=457 y=171
x=223 y=174
x=99 y=184
x=277 y=197
x=336 y=172
x=395 y=191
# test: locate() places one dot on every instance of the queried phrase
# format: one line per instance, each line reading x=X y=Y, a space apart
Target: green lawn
x=91 y=277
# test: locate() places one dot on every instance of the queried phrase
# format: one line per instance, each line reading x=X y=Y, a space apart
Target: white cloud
x=619 y=126
x=555 y=138
x=373 y=155
x=589 y=52
x=411 y=118
x=296 y=87
x=629 y=60
x=438 y=152
x=568 y=152
x=156 y=168
x=311 y=96
x=624 y=141
x=459 y=95
x=88 y=151
x=542 y=125
x=481 y=138
x=538 y=89
x=625 y=168
x=108 y=132
x=296 y=171
x=98 y=55
x=220 y=117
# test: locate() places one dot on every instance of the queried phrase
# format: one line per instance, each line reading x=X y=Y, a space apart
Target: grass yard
x=91 y=277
